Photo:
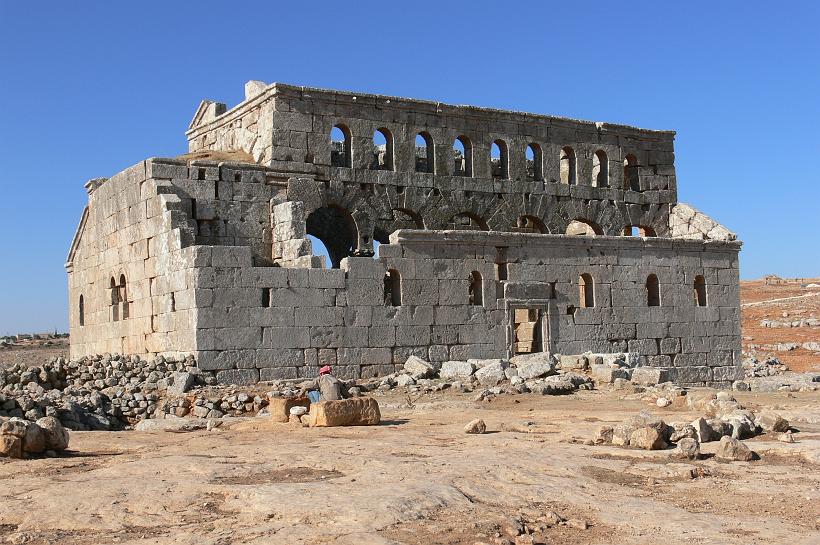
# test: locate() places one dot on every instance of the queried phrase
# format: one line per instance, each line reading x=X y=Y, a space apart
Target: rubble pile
x=770 y=366
x=724 y=420
x=104 y=392
x=540 y=373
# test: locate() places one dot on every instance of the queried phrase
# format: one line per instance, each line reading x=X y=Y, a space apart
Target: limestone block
x=240 y=377
x=358 y=411
x=456 y=370
x=535 y=365
x=608 y=374
x=418 y=368
x=649 y=375
x=279 y=407
x=492 y=374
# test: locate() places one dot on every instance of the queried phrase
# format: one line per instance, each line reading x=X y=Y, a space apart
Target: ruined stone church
x=451 y=232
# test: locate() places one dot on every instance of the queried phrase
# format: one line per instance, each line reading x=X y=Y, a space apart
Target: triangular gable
x=200 y=114
x=78 y=235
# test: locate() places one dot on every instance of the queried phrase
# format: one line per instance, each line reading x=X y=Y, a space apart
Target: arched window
x=584 y=228
x=476 y=289
x=567 y=166
x=639 y=231
x=499 y=161
x=81 y=312
x=392 y=288
x=700 y=291
x=586 y=291
x=114 y=294
x=530 y=224
x=462 y=157
x=340 y=148
x=467 y=221
x=535 y=170
x=653 y=291
x=382 y=150
x=631 y=178
x=124 y=296
x=425 y=153
x=600 y=169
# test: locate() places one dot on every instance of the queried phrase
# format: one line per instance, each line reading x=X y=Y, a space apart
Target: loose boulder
x=535 y=365
x=491 y=374
x=456 y=370
x=647 y=438
x=35 y=439
x=733 y=450
x=688 y=449
x=476 y=426
x=772 y=422
x=56 y=436
x=418 y=368
x=359 y=411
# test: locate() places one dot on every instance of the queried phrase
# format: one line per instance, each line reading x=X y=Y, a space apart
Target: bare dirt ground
x=33 y=352
x=418 y=479
x=760 y=301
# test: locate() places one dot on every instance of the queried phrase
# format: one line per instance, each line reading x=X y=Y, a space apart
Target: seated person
x=325 y=387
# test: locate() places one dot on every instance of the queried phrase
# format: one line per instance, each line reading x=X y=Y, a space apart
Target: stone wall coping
x=428 y=107
x=427 y=237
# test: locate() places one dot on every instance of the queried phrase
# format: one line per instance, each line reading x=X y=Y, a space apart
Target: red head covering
x=325 y=370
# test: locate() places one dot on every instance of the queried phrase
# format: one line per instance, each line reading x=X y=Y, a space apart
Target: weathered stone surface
x=11 y=446
x=649 y=375
x=772 y=422
x=419 y=368
x=279 y=407
x=647 y=438
x=476 y=426
x=240 y=377
x=688 y=449
x=456 y=370
x=604 y=435
x=534 y=365
x=491 y=374
x=35 y=439
x=57 y=437
x=181 y=383
x=681 y=430
x=359 y=411
x=733 y=450
x=608 y=374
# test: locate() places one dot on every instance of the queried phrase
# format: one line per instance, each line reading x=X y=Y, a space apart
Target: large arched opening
x=336 y=229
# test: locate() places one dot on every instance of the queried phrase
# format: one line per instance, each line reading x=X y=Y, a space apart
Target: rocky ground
x=782 y=321
x=419 y=479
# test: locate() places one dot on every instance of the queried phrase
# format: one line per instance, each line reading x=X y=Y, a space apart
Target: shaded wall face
x=129 y=267
x=285 y=323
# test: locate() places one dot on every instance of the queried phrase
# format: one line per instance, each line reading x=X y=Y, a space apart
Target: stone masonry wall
x=130 y=231
x=269 y=323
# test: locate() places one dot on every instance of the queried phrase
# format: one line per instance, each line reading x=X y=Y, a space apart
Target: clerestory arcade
x=453 y=232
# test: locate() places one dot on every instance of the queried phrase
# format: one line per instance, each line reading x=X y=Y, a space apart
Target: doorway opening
x=527 y=331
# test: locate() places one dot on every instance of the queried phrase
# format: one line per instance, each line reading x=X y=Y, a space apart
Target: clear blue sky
x=89 y=88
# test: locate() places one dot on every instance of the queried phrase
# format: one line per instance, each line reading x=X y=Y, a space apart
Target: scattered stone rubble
x=803 y=322
x=770 y=366
x=725 y=420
